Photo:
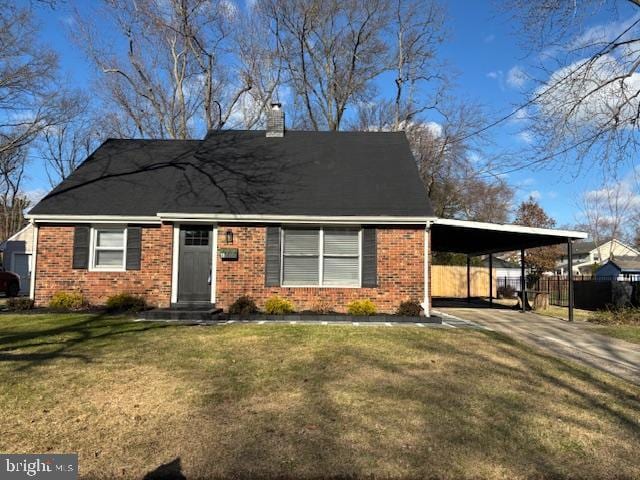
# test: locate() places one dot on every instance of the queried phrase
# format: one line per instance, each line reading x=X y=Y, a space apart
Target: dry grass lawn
x=281 y=401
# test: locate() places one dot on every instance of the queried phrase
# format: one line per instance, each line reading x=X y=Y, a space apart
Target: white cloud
x=552 y=195
x=474 y=158
x=526 y=137
x=516 y=77
x=521 y=115
x=228 y=9
x=527 y=181
x=495 y=75
x=622 y=192
x=603 y=34
x=35 y=195
x=434 y=127
x=535 y=194
x=582 y=94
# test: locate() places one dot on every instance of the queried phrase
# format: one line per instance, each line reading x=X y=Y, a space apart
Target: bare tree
x=65 y=145
x=173 y=79
x=417 y=27
x=610 y=213
x=584 y=106
x=27 y=68
x=452 y=167
x=452 y=164
x=332 y=50
x=12 y=201
x=260 y=63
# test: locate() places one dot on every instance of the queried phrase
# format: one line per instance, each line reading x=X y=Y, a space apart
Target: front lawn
x=630 y=333
x=298 y=401
x=623 y=323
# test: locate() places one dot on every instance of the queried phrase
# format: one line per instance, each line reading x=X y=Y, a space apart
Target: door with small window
x=194 y=265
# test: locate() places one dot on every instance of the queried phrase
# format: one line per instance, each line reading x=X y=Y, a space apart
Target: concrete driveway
x=574 y=341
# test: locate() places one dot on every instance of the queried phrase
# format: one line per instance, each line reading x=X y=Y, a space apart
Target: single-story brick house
x=320 y=218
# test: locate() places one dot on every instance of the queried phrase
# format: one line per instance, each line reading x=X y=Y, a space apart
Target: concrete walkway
x=574 y=341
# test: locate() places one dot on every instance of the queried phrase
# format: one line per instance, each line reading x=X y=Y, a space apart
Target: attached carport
x=480 y=238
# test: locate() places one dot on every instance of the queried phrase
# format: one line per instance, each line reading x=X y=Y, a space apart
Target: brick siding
x=54 y=272
x=400 y=263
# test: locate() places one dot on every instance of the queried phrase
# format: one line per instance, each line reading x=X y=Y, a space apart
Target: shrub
x=19 y=303
x=67 y=301
x=361 y=307
x=506 y=291
x=616 y=316
x=410 y=308
x=322 y=307
x=125 y=302
x=278 y=306
x=243 y=305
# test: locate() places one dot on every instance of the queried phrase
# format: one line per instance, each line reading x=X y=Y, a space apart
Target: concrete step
x=181 y=314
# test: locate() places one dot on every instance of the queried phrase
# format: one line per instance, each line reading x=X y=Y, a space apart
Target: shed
x=17 y=253
x=620 y=268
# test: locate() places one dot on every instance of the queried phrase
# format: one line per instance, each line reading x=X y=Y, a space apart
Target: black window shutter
x=272 y=258
x=81 y=247
x=134 y=247
x=369 y=258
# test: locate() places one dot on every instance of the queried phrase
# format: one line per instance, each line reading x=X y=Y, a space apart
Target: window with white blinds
x=108 y=248
x=321 y=257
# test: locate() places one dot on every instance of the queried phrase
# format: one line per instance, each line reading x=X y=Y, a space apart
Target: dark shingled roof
x=243 y=172
x=627 y=264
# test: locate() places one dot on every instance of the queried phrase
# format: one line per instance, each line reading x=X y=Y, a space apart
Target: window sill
x=118 y=269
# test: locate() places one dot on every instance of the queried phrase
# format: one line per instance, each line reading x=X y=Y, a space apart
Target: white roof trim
x=13 y=237
x=293 y=219
x=92 y=219
x=344 y=220
x=501 y=227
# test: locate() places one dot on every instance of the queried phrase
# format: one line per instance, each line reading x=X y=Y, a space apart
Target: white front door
x=22 y=267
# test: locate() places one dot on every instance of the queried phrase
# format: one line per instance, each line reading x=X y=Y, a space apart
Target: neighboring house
x=503 y=268
x=17 y=254
x=320 y=218
x=587 y=254
x=620 y=268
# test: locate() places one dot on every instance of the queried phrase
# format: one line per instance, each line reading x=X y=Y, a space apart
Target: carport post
x=570 y=286
x=491 y=279
x=468 y=279
x=523 y=283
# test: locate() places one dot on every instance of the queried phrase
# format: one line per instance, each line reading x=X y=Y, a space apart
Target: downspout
x=34 y=259
x=426 y=304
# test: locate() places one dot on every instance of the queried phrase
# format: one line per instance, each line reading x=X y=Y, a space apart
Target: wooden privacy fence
x=450 y=281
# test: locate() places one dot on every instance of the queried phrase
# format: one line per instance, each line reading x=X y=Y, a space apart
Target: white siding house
x=17 y=256
x=586 y=254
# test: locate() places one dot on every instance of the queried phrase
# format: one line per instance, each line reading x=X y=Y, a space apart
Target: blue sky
x=481 y=49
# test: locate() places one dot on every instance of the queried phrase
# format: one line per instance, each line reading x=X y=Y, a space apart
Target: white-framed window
x=108 y=248
x=321 y=257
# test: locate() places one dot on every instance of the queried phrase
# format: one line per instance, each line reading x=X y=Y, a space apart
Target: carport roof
x=480 y=238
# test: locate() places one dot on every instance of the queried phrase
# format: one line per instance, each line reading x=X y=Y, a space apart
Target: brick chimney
x=275 y=121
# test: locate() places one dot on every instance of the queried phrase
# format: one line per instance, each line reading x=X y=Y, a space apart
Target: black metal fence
x=590 y=293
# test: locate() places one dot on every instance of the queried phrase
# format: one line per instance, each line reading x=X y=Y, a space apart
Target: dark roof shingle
x=243 y=172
